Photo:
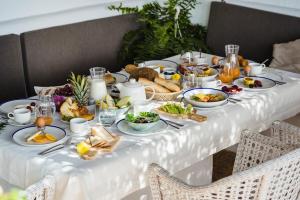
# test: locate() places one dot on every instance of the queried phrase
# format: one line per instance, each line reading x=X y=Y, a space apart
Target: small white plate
x=266 y=84
x=11 y=105
x=187 y=97
x=14 y=123
x=21 y=135
x=123 y=126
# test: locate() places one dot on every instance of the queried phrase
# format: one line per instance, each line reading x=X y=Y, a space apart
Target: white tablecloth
x=112 y=176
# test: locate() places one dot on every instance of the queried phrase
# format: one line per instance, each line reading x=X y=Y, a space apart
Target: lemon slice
x=50 y=137
x=82 y=148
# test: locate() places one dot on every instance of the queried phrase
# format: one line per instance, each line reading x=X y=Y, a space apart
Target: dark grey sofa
x=254 y=30
x=12 y=85
x=49 y=55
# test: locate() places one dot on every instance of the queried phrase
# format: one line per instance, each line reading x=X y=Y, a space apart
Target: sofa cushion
x=286 y=56
x=52 y=53
x=254 y=30
x=11 y=69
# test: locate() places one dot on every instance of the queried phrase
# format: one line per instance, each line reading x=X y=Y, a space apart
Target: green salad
x=176 y=108
x=143 y=117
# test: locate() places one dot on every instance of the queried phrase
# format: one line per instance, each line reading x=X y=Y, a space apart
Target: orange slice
x=50 y=137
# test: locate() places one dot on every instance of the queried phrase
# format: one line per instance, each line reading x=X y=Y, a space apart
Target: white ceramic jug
x=135 y=90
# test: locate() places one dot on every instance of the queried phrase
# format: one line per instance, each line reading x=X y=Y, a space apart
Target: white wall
x=17 y=16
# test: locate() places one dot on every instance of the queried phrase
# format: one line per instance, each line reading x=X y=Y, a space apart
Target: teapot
x=134 y=90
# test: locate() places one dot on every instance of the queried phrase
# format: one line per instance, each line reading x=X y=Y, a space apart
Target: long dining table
x=123 y=173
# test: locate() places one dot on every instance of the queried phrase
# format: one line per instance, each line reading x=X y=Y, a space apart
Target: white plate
x=187 y=97
x=11 y=105
x=165 y=63
x=14 y=123
x=266 y=84
x=125 y=128
x=21 y=135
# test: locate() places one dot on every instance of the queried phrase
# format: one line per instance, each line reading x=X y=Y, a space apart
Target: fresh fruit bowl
x=143 y=121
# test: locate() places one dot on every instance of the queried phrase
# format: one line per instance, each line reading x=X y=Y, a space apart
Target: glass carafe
x=231 y=68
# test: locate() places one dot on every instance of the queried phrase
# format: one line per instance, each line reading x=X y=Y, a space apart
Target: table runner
x=113 y=176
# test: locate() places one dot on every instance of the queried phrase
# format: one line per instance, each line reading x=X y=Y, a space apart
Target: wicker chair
x=42 y=190
x=285 y=132
x=274 y=179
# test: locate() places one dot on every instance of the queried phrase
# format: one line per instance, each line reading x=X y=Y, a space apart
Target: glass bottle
x=231 y=68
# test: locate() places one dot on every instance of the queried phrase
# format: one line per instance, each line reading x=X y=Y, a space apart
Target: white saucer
x=14 y=123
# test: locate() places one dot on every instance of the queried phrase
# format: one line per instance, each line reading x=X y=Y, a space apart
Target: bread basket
x=171 y=96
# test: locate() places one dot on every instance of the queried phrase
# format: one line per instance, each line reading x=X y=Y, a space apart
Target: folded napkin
x=39 y=90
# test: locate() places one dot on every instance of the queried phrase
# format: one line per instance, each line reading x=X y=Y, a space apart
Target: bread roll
x=169 y=85
x=157 y=88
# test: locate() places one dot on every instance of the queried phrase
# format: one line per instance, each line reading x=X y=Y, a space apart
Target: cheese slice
x=29 y=139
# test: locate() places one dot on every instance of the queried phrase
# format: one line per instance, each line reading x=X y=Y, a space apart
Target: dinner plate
x=21 y=135
x=123 y=126
x=164 y=63
x=266 y=83
x=11 y=105
x=187 y=97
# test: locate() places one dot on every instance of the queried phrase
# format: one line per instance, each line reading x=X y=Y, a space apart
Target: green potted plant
x=165 y=30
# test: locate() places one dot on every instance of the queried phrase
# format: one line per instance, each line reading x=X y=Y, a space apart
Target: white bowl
x=187 y=96
x=209 y=78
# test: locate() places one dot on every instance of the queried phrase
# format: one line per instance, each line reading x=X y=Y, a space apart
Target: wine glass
x=44 y=112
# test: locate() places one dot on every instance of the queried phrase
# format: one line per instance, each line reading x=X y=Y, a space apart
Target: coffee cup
x=211 y=83
x=78 y=125
x=256 y=68
x=20 y=115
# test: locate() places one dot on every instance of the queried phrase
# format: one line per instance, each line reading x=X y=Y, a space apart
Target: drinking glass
x=44 y=112
x=97 y=72
x=186 y=57
x=190 y=81
x=106 y=117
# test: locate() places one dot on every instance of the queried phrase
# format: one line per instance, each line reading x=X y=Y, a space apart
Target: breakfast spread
x=252 y=83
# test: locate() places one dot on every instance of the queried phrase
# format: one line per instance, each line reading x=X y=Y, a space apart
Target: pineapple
x=80 y=88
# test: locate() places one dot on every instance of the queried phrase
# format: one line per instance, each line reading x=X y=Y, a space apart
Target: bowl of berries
x=232 y=89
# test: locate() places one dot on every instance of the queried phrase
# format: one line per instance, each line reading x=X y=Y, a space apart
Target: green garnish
x=66 y=118
x=176 y=108
x=143 y=117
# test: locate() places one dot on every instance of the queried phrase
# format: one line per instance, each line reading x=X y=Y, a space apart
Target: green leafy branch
x=155 y=38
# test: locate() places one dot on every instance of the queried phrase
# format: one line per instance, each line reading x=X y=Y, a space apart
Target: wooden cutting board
x=194 y=116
